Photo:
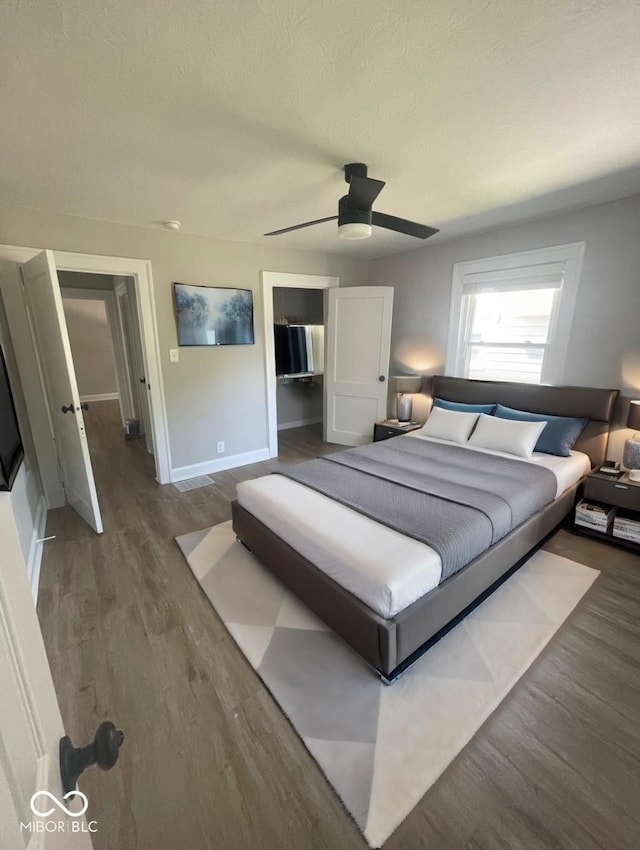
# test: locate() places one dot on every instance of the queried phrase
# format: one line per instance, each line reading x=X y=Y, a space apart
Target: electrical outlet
x=174 y=355
x=220 y=447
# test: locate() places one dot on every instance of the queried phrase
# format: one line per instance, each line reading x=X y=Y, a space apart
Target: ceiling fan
x=355 y=215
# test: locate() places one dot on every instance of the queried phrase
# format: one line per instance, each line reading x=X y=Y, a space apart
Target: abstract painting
x=213 y=315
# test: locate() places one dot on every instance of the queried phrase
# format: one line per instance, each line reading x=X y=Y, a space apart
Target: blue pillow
x=464 y=408
x=559 y=435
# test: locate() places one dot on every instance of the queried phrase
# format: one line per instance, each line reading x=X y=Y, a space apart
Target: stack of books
x=627 y=527
x=595 y=515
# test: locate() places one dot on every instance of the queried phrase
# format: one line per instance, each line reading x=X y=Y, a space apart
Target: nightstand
x=392 y=428
x=622 y=494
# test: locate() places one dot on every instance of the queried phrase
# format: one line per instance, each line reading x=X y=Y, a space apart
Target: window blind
x=507 y=318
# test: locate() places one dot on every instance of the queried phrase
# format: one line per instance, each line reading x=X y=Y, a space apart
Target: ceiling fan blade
x=363 y=191
x=299 y=226
x=401 y=225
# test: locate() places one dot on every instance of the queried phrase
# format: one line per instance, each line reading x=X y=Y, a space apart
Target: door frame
x=140 y=271
x=269 y=281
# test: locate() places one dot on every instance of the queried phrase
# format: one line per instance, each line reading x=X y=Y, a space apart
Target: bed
x=383 y=590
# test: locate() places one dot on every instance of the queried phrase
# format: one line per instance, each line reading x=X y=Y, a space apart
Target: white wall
x=91 y=347
x=604 y=339
x=24 y=512
x=25 y=498
x=212 y=393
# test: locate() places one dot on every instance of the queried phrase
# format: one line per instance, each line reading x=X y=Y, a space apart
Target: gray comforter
x=456 y=500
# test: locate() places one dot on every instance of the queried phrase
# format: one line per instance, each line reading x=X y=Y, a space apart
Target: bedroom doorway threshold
x=271 y=281
x=140 y=271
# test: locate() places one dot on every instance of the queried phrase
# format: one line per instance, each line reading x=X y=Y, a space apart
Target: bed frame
x=390 y=645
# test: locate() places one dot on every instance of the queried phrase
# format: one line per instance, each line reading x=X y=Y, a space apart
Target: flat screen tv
x=213 y=315
x=11 y=451
x=291 y=349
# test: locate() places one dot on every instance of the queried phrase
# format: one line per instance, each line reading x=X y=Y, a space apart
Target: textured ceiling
x=235 y=117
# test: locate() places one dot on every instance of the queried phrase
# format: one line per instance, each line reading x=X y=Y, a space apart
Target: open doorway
x=296 y=402
x=299 y=347
x=35 y=316
x=101 y=313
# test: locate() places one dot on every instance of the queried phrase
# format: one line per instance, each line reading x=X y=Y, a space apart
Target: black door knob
x=68 y=408
x=381 y=378
x=84 y=405
x=103 y=751
x=143 y=380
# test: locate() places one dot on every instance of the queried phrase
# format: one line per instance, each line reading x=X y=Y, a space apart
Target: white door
x=30 y=721
x=46 y=312
x=358 y=339
x=138 y=353
x=132 y=335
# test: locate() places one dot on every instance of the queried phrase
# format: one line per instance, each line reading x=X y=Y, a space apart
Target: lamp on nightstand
x=631 y=456
x=404 y=386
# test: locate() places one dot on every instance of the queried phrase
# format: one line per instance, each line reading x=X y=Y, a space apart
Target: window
x=510 y=316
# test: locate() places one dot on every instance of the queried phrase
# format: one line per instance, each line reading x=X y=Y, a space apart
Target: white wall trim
x=570 y=256
x=182 y=473
x=34 y=561
x=100 y=397
x=298 y=423
x=269 y=280
x=140 y=271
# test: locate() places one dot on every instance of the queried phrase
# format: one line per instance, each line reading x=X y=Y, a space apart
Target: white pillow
x=506 y=435
x=451 y=425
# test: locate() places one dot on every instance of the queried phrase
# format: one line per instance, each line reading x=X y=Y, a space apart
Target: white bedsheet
x=385 y=569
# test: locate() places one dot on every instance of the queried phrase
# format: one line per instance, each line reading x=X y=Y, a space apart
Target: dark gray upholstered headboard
x=596 y=404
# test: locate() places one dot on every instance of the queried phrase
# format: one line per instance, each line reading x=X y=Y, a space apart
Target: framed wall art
x=213 y=315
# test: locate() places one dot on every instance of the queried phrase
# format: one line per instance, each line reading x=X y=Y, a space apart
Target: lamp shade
x=409 y=384
x=633 y=418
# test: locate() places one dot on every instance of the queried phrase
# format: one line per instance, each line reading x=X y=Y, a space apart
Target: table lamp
x=405 y=385
x=631 y=456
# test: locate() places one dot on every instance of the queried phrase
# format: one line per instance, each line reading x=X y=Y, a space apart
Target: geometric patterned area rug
x=381 y=747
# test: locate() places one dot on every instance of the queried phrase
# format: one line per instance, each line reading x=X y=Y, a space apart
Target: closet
x=299 y=354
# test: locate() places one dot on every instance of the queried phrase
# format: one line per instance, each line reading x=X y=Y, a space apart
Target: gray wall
x=298 y=401
x=91 y=346
x=604 y=339
x=212 y=393
x=85 y=280
x=304 y=306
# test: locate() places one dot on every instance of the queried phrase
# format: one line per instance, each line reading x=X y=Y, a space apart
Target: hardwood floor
x=210 y=762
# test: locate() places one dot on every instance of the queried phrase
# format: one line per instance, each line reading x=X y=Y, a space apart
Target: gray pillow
x=559 y=435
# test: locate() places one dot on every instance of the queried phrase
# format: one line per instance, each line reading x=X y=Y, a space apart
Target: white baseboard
x=298 y=423
x=100 y=397
x=35 y=549
x=182 y=473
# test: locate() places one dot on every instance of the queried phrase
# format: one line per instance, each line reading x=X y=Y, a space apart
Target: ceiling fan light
x=354 y=230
